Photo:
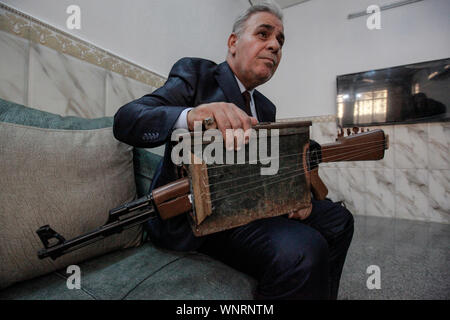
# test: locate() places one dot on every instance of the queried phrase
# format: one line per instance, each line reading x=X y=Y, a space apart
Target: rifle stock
x=169 y=200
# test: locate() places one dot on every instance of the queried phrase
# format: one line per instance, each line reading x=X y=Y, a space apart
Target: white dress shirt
x=252 y=102
x=181 y=122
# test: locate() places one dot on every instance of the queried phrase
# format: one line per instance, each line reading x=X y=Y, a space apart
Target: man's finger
x=301 y=214
x=239 y=136
x=224 y=126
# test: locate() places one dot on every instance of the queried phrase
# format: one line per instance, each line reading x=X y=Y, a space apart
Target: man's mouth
x=272 y=61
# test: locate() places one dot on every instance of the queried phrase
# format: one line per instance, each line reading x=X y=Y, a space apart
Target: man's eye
x=263 y=34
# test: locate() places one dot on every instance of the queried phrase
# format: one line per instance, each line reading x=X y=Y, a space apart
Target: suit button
x=150 y=136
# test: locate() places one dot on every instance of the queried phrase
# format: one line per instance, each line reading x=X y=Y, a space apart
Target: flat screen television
x=412 y=93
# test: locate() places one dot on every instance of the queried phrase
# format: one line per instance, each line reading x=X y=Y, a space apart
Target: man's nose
x=274 y=45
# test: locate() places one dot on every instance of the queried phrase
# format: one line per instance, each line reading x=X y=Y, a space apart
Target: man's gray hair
x=264 y=6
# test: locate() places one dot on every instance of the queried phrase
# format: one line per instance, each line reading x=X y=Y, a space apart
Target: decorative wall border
x=29 y=28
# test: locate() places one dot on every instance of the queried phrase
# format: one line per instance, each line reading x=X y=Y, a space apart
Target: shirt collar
x=242 y=87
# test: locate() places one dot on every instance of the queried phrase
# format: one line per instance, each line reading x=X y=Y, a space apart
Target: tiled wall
x=49 y=70
x=411 y=182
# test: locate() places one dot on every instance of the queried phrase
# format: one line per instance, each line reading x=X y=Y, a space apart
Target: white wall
x=322 y=43
x=151 y=33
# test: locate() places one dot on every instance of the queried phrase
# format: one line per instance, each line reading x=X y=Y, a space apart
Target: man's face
x=256 y=53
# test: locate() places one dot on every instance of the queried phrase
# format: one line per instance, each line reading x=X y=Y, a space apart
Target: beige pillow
x=68 y=179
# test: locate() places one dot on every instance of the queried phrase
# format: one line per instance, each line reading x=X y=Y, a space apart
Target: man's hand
x=301 y=214
x=226 y=116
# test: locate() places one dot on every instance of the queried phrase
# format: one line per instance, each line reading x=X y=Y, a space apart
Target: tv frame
x=444 y=117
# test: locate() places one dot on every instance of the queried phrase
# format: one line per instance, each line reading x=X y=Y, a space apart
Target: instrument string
x=252 y=175
x=366 y=150
x=354 y=153
x=300 y=173
x=290 y=175
x=295 y=154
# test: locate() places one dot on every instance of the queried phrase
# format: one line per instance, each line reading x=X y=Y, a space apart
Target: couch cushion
x=63 y=171
x=195 y=277
x=147 y=272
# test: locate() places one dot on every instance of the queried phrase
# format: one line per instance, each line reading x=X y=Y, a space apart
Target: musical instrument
x=220 y=195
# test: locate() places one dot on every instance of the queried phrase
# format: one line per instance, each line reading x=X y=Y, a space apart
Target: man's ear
x=232 y=39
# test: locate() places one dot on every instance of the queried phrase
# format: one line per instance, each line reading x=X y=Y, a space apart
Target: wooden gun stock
x=364 y=146
x=369 y=145
x=172 y=199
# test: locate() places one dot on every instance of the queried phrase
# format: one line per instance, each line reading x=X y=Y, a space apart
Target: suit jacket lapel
x=259 y=110
x=229 y=85
x=264 y=114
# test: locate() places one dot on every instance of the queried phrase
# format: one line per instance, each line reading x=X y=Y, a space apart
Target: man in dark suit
x=299 y=255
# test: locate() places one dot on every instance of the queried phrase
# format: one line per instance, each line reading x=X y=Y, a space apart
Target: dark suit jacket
x=147 y=123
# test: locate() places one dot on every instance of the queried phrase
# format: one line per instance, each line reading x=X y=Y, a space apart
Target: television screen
x=411 y=93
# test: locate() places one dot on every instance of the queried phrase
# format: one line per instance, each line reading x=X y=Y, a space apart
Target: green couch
x=127 y=270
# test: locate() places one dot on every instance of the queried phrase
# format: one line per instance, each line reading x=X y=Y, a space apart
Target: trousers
x=290 y=258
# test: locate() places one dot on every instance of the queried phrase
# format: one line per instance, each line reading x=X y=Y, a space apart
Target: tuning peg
x=355 y=130
x=349 y=131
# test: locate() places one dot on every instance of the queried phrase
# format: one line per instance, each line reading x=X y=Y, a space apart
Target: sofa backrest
x=66 y=172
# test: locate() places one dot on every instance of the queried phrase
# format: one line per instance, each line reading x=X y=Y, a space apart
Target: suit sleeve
x=147 y=122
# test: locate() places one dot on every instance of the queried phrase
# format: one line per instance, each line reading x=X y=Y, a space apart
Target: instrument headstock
x=358 y=145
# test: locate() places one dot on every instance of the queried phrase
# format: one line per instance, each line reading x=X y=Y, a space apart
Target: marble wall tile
x=439 y=145
x=121 y=90
x=65 y=85
x=388 y=161
x=380 y=192
x=411 y=146
x=13 y=68
x=324 y=132
x=412 y=194
x=352 y=187
x=439 y=188
x=140 y=89
x=329 y=177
